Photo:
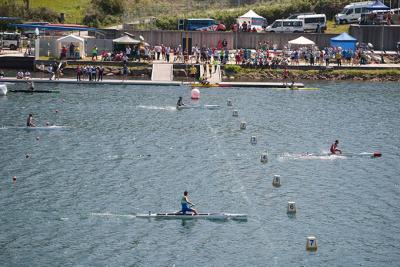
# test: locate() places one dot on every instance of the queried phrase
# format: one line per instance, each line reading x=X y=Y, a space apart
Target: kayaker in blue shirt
x=186 y=204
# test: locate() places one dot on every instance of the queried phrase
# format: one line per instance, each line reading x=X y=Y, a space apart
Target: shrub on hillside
x=109 y=7
x=104 y=12
x=44 y=14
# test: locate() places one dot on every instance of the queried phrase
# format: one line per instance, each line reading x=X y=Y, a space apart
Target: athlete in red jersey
x=334 y=149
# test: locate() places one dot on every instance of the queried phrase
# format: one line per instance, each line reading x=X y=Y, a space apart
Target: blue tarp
x=344 y=41
x=52 y=28
x=378 y=5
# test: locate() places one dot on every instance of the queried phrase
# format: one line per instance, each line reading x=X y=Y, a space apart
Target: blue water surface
x=127 y=150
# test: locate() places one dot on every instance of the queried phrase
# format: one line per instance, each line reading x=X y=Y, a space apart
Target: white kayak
x=179 y=215
x=53 y=127
x=205 y=106
x=186 y=107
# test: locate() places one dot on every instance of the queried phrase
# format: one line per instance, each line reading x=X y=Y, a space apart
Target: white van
x=314 y=22
x=10 y=40
x=286 y=25
x=352 y=12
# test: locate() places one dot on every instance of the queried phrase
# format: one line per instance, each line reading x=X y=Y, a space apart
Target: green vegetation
x=73 y=9
x=336 y=29
x=45 y=10
x=167 y=12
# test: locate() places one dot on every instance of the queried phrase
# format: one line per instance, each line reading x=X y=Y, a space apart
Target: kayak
x=179 y=215
x=53 y=127
x=33 y=91
x=186 y=107
x=205 y=106
x=362 y=154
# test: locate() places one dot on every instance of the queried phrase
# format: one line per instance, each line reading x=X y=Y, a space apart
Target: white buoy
x=243 y=125
x=3 y=89
x=195 y=94
x=276 y=181
x=229 y=103
x=235 y=113
x=253 y=140
x=311 y=243
x=291 y=207
x=264 y=157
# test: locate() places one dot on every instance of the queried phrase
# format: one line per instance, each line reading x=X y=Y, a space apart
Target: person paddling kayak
x=186 y=204
x=29 y=121
x=334 y=149
x=180 y=103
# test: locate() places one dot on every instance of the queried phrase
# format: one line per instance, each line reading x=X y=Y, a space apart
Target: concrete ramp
x=215 y=76
x=162 y=72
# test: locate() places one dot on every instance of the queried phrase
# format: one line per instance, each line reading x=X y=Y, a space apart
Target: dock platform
x=149 y=82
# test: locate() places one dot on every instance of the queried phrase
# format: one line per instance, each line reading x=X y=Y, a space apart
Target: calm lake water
x=128 y=150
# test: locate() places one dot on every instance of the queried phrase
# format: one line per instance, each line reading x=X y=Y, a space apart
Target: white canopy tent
x=71 y=39
x=252 y=19
x=301 y=41
x=126 y=40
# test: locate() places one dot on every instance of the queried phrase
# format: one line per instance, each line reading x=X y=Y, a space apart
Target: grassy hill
x=168 y=11
x=74 y=9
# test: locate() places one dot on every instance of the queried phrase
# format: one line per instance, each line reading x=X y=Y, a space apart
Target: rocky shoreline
x=247 y=74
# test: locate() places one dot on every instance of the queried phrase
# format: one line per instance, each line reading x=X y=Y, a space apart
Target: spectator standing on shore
x=94 y=53
x=63 y=52
x=78 y=73
x=1 y=74
x=326 y=58
x=89 y=72
x=244 y=26
x=124 y=72
x=167 y=53
x=77 y=52
x=94 y=73
x=193 y=72
x=338 y=57
x=163 y=52
x=125 y=59
x=158 y=49
x=101 y=73
x=71 y=50
x=205 y=69
x=128 y=51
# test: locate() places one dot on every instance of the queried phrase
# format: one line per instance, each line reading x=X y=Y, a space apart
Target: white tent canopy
x=301 y=41
x=252 y=19
x=126 y=40
x=251 y=14
x=71 y=39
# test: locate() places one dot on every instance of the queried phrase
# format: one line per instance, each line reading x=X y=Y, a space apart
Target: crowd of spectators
x=89 y=73
x=312 y=56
